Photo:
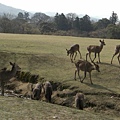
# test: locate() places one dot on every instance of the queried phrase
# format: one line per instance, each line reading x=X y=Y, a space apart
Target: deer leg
x=99 y=57
x=84 y=76
x=94 y=57
x=79 y=75
x=118 y=58
x=71 y=57
x=90 y=56
x=75 y=55
x=2 y=88
x=80 y=54
x=75 y=74
x=114 y=56
x=90 y=77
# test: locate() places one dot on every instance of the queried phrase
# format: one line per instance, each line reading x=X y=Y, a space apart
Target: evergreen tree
x=114 y=18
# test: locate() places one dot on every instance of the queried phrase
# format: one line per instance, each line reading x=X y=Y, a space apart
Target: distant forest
x=64 y=25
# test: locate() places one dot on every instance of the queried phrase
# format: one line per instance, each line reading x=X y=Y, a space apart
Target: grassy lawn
x=46 y=55
x=21 y=109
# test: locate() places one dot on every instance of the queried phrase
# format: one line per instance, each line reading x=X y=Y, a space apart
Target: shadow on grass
x=96 y=86
x=117 y=66
x=68 y=80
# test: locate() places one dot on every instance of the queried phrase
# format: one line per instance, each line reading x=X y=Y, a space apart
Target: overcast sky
x=93 y=8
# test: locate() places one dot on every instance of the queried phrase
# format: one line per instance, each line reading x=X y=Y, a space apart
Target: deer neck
x=101 y=47
x=13 y=71
x=10 y=74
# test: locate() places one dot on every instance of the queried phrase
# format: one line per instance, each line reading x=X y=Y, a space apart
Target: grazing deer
x=47 y=90
x=117 y=51
x=85 y=66
x=36 y=91
x=79 y=101
x=6 y=75
x=95 y=49
x=73 y=50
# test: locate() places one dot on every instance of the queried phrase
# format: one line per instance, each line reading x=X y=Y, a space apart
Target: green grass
x=21 y=109
x=46 y=55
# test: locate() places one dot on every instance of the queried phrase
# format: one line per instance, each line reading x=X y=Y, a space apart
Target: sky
x=93 y=8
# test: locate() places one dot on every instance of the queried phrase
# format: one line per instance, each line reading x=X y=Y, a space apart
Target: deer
x=47 y=88
x=117 y=51
x=6 y=75
x=36 y=92
x=85 y=66
x=79 y=101
x=96 y=49
x=73 y=50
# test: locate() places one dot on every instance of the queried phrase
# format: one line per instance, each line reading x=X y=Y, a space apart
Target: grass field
x=46 y=55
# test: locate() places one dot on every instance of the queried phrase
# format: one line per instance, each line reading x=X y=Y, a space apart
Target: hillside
x=14 y=11
x=10 y=10
x=46 y=55
x=4 y=9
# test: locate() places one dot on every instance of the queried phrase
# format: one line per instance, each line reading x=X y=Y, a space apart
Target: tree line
x=67 y=25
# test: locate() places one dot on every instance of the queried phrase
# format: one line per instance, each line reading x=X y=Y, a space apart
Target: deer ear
x=11 y=63
x=66 y=50
x=100 y=40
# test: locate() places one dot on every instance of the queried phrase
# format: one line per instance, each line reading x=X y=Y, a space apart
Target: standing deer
x=73 y=50
x=47 y=90
x=96 y=49
x=6 y=75
x=36 y=91
x=117 y=51
x=79 y=101
x=85 y=66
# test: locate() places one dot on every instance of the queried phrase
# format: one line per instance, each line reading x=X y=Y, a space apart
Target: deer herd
x=81 y=65
x=85 y=65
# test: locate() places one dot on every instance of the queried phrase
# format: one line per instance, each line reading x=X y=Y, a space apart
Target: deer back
x=117 y=48
x=73 y=49
x=96 y=48
x=85 y=66
x=79 y=96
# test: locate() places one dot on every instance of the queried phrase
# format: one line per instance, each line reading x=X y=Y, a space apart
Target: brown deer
x=47 y=87
x=96 y=49
x=85 y=66
x=117 y=51
x=6 y=75
x=37 y=91
x=79 y=101
x=73 y=50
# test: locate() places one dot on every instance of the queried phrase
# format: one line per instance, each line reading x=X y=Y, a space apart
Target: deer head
x=102 y=42
x=96 y=67
x=68 y=52
x=15 y=66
